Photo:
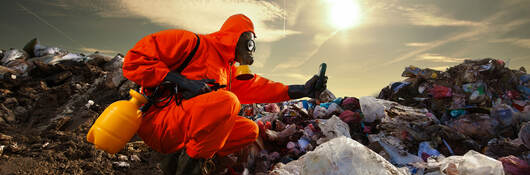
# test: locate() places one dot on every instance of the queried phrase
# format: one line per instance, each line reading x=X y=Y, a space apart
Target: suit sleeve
x=149 y=61
x=259 y=90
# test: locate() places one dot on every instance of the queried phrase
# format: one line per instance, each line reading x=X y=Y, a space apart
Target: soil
x=45 y=116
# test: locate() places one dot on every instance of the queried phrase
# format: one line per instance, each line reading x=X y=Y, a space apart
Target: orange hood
x=226 y=38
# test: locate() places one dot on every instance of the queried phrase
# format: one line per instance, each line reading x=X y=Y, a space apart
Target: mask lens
x=251 y=45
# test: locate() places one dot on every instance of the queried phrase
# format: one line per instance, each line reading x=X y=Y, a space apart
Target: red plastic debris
x=439 y=91
x=515 y=166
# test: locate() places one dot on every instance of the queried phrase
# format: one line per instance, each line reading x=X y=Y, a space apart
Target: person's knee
x=230 y=101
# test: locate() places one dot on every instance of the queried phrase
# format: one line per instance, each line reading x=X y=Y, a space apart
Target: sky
x=366 y=44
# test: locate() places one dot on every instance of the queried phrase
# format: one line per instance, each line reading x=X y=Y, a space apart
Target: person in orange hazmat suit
x=202 y=121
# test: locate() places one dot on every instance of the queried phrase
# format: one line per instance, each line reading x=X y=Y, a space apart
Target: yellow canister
x=117 y=124
x=243 y=73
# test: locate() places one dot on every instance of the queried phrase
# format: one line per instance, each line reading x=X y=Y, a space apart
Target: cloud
x=438 y=43
x=440 y=68
x=521 y=42
x=300 y=59
x=295 y=77
x=430 y=16
x=439 y=58
x=473 y=32
x=399 y=12
x=263 y=52
x=206 y=16
x=416 y=44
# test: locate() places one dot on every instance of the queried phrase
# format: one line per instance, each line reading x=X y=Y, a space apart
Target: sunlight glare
x=344 y=13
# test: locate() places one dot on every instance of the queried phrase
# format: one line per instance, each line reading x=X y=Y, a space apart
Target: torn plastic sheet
x=339 y=156
x=470 y=163
x=333 y=127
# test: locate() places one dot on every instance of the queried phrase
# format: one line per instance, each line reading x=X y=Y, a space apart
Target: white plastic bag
x=470 y=163
x=334 y=108
x=332 y=128
x=41 y=50
x=12 y=55
x=372 y=110
x=339 y=156
x=476 y=163
x=320 y=112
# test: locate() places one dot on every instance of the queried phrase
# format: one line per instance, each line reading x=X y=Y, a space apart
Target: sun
x=344 y=13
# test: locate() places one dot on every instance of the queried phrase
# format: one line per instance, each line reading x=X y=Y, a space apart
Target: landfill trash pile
x=471 y=119
x=49 y=99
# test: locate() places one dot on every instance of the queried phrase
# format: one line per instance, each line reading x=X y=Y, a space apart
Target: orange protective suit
x=207 y=124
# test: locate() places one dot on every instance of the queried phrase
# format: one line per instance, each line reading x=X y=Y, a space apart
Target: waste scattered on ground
x=473 y=118
x=49 y=98
x=466 y=120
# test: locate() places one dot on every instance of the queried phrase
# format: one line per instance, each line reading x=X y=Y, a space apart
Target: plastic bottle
x=117 y=124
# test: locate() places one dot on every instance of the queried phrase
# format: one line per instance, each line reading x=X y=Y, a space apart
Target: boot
x=191 y=166
x=181 y=163
x=169 y=163
x=222 y=164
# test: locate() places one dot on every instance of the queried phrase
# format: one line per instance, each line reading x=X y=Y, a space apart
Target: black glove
x=189 y=88
x=308 y=90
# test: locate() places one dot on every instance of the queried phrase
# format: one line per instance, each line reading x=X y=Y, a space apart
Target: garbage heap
x=49 y=99
x=471 y=119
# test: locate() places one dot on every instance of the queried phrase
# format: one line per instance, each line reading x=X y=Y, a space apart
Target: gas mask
x=245 y=48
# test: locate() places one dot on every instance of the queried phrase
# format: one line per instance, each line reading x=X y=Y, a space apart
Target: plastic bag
x=486 y=67
x=396 y=86
x=20 y=66
x=503 y=113
x=476 y=125
x=272 y=107
x=338 y=100
x=470 y=164
x=425 y=151
x=350 y=117
x=515 y=166
x=41 y=50
x=303 y=143
x=474 y=163
x=372 y=110
x=439 y=91
x=334 y=109
x=332 y=128
x=325 y=105
x=12 y=55
x=339 y=156
x=350 y=103
x=319 y=112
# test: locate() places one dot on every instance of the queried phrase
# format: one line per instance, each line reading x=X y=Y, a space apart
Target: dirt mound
x=48 y=103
